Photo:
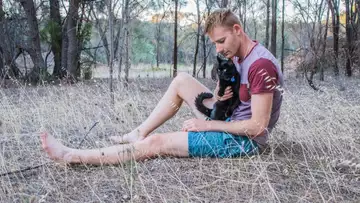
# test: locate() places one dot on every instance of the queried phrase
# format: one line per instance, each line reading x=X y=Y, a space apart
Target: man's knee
x=173 y=144
x=156 y=143
x=182 y=77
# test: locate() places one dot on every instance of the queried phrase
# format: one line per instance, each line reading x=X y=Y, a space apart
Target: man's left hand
x=196 y=124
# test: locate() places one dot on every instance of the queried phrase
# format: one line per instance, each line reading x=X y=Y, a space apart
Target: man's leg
x=173 y=144
x=183 y=88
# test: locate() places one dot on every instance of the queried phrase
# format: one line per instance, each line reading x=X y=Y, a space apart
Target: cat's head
x=226 y=69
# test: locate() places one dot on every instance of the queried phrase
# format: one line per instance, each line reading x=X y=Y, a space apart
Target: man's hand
x=196 y=124
x=227 y=94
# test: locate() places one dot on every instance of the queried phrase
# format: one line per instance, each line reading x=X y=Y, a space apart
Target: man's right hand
x=227 y=94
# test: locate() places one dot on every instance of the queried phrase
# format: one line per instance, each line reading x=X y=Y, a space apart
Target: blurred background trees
x=49 y=40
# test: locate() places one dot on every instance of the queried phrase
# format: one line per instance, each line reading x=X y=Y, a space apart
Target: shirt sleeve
x=263 y=76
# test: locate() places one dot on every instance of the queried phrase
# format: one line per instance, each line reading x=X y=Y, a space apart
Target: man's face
x=226 y=40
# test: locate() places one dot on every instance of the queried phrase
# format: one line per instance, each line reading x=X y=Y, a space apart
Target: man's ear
x=237 y=28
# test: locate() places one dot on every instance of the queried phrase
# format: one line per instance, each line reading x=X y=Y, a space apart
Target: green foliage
x=85 y=34
x=51 y=31
x=143 y=46
x=143 y=51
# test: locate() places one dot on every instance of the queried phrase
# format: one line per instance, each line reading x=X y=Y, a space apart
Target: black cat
x=228 y=76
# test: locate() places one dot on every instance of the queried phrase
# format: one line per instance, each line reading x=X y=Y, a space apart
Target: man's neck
x=245 y=48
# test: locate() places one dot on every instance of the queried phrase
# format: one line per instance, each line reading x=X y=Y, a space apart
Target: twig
x=87 y=134
x=43 y=164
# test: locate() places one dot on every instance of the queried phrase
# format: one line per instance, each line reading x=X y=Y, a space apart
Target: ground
x=313 y=155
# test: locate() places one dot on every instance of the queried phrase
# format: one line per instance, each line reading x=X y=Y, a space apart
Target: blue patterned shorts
x=220 y=145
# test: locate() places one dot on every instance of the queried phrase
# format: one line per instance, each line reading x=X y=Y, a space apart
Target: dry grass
x=316 y=133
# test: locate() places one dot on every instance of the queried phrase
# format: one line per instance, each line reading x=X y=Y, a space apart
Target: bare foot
x=131 y=137
x=55 y=149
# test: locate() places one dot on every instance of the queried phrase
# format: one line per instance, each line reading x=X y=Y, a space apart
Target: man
x=245 y=134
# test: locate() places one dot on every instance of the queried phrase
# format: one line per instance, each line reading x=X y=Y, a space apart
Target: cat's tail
x=199 y=103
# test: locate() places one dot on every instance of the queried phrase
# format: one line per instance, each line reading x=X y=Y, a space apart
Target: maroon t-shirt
x=260 y=73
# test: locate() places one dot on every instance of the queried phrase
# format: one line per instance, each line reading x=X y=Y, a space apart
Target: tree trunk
x=244 y=22
x=8 y=52
x=273 y=27
x=158 y=39
x=241 y=17
x=197 y=37
x=357 y=16
x=56 y=38
x=224 y=3
x=64 y=48
x=111 y=29
x=349 y=38
x=255 y=28
x=336 y=41
x=38 y=71
x=267 y=34
x=118 y=37
x=175 y=40
x=2 y=68
x=121 y=40
x=321 y=75
x=335 y=26
x=80 y=39
x=282 y=36
x=127 y=42
x=73 y=48
x=102 y=36
x=204 y=54
x=158 y=35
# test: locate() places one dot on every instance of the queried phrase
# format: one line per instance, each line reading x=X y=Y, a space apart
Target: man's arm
x=263 y=80
x=261 y=105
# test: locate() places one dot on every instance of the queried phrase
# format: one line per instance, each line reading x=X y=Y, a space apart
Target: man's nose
x=219 y=49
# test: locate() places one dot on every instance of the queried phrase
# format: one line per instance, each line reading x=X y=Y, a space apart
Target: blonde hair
x=221 y=17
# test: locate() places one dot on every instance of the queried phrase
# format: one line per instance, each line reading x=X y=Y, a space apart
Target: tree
x=127 y=41
x=158 y=19
x=223 y=3
x=335 y=17
x=38 y=72
x=197 y=36
x=282 y=36
x=350 y=37
x=205 y=53
x=175 y=38
x=273 y=27
x=10 y=45
x=321 y=75
x=56 y=37
x=73 y=49
x=122 y=34
x=252 y=5
x=241 y=4
x=111 y=36
x=310 y=36
x=267 y=34
x=2 y=68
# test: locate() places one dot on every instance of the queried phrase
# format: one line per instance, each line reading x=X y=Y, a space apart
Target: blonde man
x=245 y=134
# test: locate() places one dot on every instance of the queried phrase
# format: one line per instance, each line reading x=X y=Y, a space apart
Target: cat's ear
x=219 y=59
